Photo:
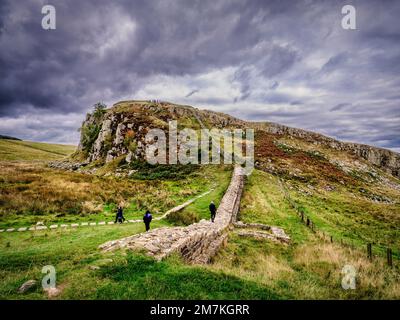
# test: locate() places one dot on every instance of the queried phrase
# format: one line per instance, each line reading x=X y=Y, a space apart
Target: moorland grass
x=308 y=268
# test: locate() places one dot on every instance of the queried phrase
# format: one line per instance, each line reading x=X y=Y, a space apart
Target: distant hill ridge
x=120 y=130
x=9 y=138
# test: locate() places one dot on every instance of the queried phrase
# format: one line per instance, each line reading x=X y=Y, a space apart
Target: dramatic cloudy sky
x=283 y=61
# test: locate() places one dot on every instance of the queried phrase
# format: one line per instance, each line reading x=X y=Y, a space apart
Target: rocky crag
x=119 y=132
x=382 y=158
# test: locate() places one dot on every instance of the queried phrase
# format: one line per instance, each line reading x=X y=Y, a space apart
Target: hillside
x=107 y=134
x=9 y=137
x=349 y=192
x=11 y=150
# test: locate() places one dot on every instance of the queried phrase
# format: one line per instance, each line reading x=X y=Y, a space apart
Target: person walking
x=147 y=219
x=213 y=210
x=120 y=215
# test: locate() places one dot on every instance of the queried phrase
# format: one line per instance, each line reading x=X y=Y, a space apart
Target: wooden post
x=369 y=251
x=389 y=257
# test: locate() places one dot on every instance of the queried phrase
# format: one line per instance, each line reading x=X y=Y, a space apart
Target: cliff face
x=121 y=130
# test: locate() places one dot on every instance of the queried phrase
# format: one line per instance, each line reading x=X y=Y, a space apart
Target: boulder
x=26 y=286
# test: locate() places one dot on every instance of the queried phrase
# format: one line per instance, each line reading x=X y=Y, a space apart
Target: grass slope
x=11 y=150
x=127 y=276
x=349 y=201
x=32 y=193
x=307 y=269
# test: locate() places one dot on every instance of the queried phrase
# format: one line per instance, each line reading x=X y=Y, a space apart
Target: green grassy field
x=32 y=192
x=246 y=269
x=308 y=268
x=127 y=276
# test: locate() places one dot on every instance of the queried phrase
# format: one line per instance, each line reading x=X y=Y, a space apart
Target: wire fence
x=327 y=237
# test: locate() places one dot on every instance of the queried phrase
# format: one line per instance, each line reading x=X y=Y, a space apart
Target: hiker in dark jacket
x=120 y=215
x=147 y=219
x=213 y=210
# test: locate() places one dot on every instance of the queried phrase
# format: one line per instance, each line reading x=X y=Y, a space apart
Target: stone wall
x=197 y=243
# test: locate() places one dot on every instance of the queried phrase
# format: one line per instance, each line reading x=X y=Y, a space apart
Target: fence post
x=389 y=257
x=369 y=250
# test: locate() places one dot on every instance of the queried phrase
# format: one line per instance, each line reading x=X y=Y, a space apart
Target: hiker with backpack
x=147 y=219
x=213 y=210
x=120 y=215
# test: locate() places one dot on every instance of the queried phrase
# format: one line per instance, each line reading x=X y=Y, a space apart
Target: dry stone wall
x=197 y=243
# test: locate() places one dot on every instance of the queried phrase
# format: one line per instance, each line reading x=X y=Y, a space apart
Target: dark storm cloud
x=191 y=93
x=284 y=61
x=63 y=68
x=340 y=106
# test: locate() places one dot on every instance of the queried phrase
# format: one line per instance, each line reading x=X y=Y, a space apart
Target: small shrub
x=183 y=218
x=99 y=110
x=89 y=134
x=148 y=171
x=91 y=207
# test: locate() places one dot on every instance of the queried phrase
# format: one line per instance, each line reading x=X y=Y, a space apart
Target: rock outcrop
x=385 y=159
x=26 y=286
x=121 y=130
x=197 y=243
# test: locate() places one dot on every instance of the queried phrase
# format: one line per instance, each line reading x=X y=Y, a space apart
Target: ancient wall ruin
x=198 y=242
